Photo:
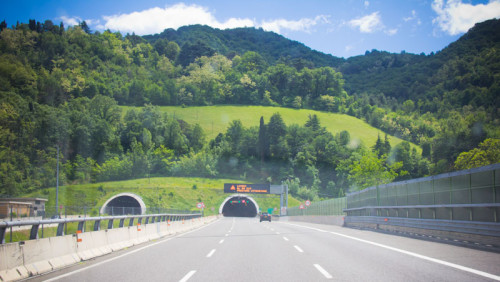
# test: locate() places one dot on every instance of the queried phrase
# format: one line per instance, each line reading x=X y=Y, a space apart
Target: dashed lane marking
x=323 y=271
x=438 y=261
x=211 y=253
x=186 y=278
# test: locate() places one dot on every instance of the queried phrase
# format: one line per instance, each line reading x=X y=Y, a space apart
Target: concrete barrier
x=36 y=254
x=23 y=259
x=119 y=239
x=165 y=229
x=141 y=235
x=92 y=244
x=63 y=251
x=153 y=231
x=11 y=262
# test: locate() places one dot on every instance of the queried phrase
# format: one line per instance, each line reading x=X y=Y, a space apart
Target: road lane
x=243 y=249
x=389 y=257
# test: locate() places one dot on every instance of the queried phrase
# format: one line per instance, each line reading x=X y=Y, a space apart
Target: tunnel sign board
x=246 y=188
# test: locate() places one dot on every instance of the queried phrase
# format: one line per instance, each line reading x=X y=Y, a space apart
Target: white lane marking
x=323 y=271
x=285 y=238
x=227 y=235
x=186 y=278
x=221 y=241
x=126 y=254
x=438 y=261
x=298 y=249
x=211 y=253
x=277 y=233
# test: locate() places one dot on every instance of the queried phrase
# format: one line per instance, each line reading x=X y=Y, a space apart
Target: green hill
x=164 y=192
x=215 y=119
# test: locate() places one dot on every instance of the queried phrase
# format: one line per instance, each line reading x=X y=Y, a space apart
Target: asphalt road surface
x=243 y=249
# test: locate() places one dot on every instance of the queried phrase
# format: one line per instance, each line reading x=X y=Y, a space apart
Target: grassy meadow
x=215 y=120
x=164 y=192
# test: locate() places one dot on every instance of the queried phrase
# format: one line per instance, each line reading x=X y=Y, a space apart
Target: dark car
x=265 y=216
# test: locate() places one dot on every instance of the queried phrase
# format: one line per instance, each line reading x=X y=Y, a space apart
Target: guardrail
x=472 y=194
x=36 y=224
x=404 y=211
x=468 y=227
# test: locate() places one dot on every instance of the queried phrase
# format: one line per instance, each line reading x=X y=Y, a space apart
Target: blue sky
x=343 y=28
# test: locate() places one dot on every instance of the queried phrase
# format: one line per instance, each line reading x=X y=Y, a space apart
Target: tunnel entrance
x=239 y=206
x=123 y=204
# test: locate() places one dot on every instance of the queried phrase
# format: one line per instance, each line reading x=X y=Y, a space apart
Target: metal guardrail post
x=60 y=229
x=3 y=230
x=97 y=225
x=81 y=226
x=34 y=232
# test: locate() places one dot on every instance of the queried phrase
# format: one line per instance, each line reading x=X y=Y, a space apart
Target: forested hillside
x=60 y=89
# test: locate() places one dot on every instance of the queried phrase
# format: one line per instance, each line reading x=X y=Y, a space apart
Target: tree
x=275 y=131
x=371 y=171
x=3 y=25
x=263 y=145
x=488 y=152
x=85 y=27
x=378 y=148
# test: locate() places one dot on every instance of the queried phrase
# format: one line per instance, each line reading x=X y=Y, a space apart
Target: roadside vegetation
x=121 y=107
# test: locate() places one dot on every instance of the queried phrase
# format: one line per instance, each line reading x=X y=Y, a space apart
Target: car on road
x=265 y=216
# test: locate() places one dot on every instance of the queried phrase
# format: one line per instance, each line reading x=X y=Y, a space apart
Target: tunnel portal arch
x=248 y=208
x=124 y=203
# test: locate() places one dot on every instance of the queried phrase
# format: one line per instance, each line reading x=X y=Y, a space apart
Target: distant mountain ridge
x=269 y=45
x=401 y=76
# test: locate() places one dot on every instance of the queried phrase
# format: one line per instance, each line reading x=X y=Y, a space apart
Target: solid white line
x=221 y=241
x=120 y=256
x=211 y=253
x=438 y=261
x=285 y=238
x=323 y=271
x=186 y=278
x=298 y=249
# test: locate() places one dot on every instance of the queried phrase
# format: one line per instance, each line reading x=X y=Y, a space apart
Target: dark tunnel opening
x=123 y=205
x=239 y=207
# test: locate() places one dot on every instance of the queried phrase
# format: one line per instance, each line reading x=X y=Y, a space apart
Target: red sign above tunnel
x=247 y=188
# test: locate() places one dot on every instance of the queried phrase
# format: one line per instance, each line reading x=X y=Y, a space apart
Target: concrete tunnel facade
x=124 y=203
x=239 y=205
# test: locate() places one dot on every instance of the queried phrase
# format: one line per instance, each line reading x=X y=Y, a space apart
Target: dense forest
x=61 y=90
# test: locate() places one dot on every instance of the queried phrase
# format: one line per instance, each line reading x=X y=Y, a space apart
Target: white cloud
x=368 y=24
x=304 y=24
x=412 y=17
x=391 y=32
x=157 y=19
x=455 y=17
x=367 y=4
x=71 y=21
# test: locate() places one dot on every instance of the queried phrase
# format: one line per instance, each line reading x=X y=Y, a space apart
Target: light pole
x=57 y=182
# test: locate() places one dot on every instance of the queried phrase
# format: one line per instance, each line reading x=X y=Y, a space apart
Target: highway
x=243 y=249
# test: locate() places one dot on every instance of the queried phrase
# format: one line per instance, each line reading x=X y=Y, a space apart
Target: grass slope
x=215 y=120
x=164 y=192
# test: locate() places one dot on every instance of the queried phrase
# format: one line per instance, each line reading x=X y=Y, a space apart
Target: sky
x=343 y=28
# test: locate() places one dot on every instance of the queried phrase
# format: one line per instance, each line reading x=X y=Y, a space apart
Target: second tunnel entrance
x=239 y=206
